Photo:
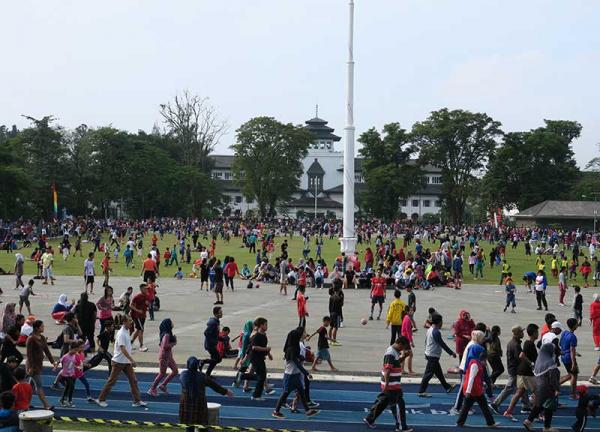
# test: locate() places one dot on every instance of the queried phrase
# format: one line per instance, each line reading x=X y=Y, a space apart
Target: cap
x=557 y=325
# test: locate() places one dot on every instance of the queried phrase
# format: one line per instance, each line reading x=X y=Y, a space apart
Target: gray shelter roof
x=315 y=168
x=560 y=210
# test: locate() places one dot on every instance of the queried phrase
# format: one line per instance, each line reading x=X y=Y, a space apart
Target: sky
x=113 y=62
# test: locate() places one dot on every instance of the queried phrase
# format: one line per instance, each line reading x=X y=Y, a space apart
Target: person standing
x=336 y=303
x=540 y=290
x=149 y=268
x=37 y=347
x=407 y=332
x=568 y=349
x=105 y=264
x=595 y=320
x=301 y=306
x=122 y=361
x=391 y=389
x=378 y=294
x=89 y=272
x=137 y=309
x=19 y=270
x=211 y=338
x=434 y=344
x=231 y=269
x=547 y=381
x=105 y=305
x=86 y=313
x=218 y=271
x=47 y=262
x=395 y=315
x=193 y=409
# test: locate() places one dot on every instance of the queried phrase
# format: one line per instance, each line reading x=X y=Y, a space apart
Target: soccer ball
x=257 y=286
x=363 y=321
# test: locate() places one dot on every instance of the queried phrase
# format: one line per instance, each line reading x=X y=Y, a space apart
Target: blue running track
x=343 y=406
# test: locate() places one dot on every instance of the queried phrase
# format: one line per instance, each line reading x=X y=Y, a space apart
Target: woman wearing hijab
x=293 y=374
x=86 y=313
x=165 y=358
x=8 y=318
x=547 y=388
x=463 y=327
x=61 y=308
x=19 y=270
x=192 y=403
x=245 y=343
x=595 y=319
x=472 y=387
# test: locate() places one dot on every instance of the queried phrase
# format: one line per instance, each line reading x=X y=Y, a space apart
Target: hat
x=516 y=329
x=557 y=325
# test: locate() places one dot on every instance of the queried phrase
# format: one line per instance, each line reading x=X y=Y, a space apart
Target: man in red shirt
x=301 y=303
x=138 y=308
x=378 y=284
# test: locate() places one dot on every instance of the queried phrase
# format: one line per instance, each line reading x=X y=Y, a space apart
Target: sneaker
x=453 y=411
x=71 y=404
x=312 y=404
x=408 y=429
x=597 y=348
x=277 y=414
x=64 y=404
x=371 y=318
x=368 y=423
x=509 y=416
x=525 y=410
x=424 y=395
x=495 y=408
x=270 y=391
x=163 y=390
x=143 y=348
x=139 y=404
x=152 y=392
x=341 y=325
x=504 y=310
x=90 y=399
x=378 y=317
x=103 y=404
x=527 y=425
x=451 y=388
x=593 y=380
x=312 y=412
x=257 y=398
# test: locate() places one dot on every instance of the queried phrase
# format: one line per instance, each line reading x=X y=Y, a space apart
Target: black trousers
x=497 y=367
x=432 y=369
x=396 y=331
x=260 y=369
x=390 y=398
x=98 y=357
x=540 y=296
x=485 y=410
x=215 y=359
x=537 y=410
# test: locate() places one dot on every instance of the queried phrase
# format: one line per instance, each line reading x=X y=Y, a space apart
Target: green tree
x=14 y=182
x=268 y=160
x=388 y=173
x=460 y=143
x=530 y=167
x=80 y=166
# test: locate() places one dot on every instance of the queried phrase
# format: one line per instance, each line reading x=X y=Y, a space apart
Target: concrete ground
x=362 y=345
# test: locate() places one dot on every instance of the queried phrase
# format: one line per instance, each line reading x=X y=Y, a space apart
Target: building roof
x=319 y=127
x=310 y=203
x=430 y=189
x=222 y=161
x=315 y=168
x=560 y=210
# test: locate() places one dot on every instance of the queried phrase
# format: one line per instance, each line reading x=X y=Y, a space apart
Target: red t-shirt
x=302 y=278
x=378 y=286
x=23 y=393
x=151 y=291
x=301 y=303
x=140 y=302
x=149 y=265
x=105 y=263
x=231 y=268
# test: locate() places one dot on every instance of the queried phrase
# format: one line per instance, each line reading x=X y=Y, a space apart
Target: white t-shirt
x=549 y=337
x=122 y=338
x=88 y=267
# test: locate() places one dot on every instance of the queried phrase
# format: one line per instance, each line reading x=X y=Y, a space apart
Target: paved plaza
x=362 y=346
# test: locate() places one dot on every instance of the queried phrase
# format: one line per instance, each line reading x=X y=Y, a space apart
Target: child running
x=510 y=290
x=323 y=345
x=165 y=359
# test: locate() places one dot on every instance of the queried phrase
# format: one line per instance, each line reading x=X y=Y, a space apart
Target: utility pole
x=348 y=240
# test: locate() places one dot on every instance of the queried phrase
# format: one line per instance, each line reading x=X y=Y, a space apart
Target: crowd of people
x=396 y=258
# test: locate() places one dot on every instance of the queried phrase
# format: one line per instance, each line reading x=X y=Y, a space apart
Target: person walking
x=122 y=361
x=547 y=384
x=104 y=306
x=434 y=344
x=19 y=270
x=137 y=309
x=540 y=290
x=86 y=313
x=165 y=359
x=595 y=320
x=211 y=339
x=37 y=347
x=89 y=272
x=193 y=409
x=391 y=389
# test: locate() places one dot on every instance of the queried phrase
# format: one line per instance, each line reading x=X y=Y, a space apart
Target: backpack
x=59 y=342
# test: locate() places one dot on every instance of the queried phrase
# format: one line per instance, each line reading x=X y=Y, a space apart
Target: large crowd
x=398 y=258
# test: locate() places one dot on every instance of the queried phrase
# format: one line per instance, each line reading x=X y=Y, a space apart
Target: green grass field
x=74 y=265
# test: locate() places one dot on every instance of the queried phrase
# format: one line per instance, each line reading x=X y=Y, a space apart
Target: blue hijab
x=474 y=353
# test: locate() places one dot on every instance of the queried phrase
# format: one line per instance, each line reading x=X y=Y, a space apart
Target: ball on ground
x=363 y=321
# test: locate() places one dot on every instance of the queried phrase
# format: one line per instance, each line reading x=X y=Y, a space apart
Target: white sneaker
x=593 y=380
x=341 y=325
x=143 y=348
x=103 y=404
x=453 y=411
x=139 y=404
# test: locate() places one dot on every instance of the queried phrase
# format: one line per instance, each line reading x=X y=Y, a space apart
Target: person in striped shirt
x=391 y=390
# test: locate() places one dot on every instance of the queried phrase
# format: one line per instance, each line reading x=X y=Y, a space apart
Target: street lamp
x=595 y=194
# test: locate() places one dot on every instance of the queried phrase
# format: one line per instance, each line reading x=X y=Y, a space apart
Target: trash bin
x=213 y=413
x=36 y=421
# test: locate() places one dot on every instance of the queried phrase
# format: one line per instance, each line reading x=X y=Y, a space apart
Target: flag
x=55 y=199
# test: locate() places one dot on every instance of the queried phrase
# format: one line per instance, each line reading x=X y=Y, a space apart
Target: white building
x=322 y=177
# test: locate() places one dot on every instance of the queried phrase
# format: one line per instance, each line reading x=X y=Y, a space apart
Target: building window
x=217 y=174
x=249 y=200
x=426 y=203
x=358 y=178
x=238 y=199
x=428 y=179
x=402 y=203
x=438 y=203
x=228 y=175
x=436 y=180
x=415 y=203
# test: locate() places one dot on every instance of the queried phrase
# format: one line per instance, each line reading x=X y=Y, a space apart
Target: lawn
x=74 y=265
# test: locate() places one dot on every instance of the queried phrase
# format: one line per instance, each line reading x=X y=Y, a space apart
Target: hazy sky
x=114 y=61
